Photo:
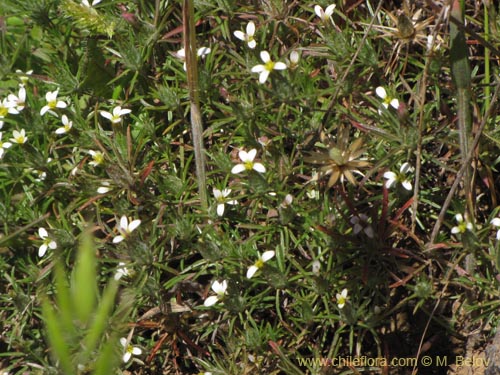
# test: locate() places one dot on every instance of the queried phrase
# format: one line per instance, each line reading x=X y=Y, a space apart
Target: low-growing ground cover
x=337 y=212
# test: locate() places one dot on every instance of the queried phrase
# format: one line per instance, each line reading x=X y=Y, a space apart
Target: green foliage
x=77 y=324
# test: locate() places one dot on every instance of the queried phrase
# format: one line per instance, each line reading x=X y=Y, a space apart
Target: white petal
x=133 y=225
x=53 y=245
x=279 y=66
x=42 y=250
x=264 y=55
x=258 y=68
x=329 y=9
x=498 y=235
x=267 y=255
x=203 y=51
x=238 y=168
x=107 y=115
x=61 y=104
x=61 y=131
x=124 y=112
x=240 y=35
x=126 y=356
x=258 y=167
x=344 y=293
x=251 y=271
x=407 y=185
x=251 y=28
x=212 y=300
x=459 y=218
x=263 y=76
x=181 y=53
x=252 y=44
x=220 y=209
x=42 y=232
x=118 y=239
x=123 y=341
x=44 y=110
x=217 y=193
x=380 y=91
x=123 y=222
x=395 y=103
x=455 y=230
x=136 y=351
x=495 y=222
x=226 y=192
x=319 y=11
x=250 y=155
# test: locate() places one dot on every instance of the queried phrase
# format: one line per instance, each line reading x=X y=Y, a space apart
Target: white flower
x=259 y=263
x=7 y=106
x=129 y=350
x=248 y=36
x=496 y=223
x=52 y=102
x=220 y=291
x=400 y=177
x=360 y=223
x=324 y=14
x=342 y=298
x=97 y=158
x=462 y=226
x=248 y=164
x=121 y=271
x=3 y=146
x=125 y=228
x=19 y=137
x=89 y=5
x=267 y=67
x=294 y=59
x=387 y=100
x=67 y=125
x=19 y=100
x=47 y=242
x=220 y=197
x=201 y=52
x=116 y=116
x=24 y=77
x=104 y=188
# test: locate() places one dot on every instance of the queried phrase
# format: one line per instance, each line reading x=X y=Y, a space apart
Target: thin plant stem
x=193 y=85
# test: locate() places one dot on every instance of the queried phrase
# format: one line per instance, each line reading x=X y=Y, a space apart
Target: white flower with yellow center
x=326 y=14
x=116 y=116
x=265 y=69
x=201 y=52
x=129 y=350
x=52 y=102
x=48 y=243
x=220 y=289
x=6 y=107
x=90 y=4
x=247 y=37
x=67 y=125
x=401 y=177
x=259 y=263
x=387 y=100
x=19 y=137
x=462 y=225
x=97 y=158
x=496 y=223
x=248 y=163
x=19 y=100
x=125 y=228
x=341 y=298
x=220 y=197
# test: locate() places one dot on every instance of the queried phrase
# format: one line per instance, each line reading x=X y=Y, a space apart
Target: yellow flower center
x=3 y=111
x=269 y=65
x=248 y=165
x=259 y=263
